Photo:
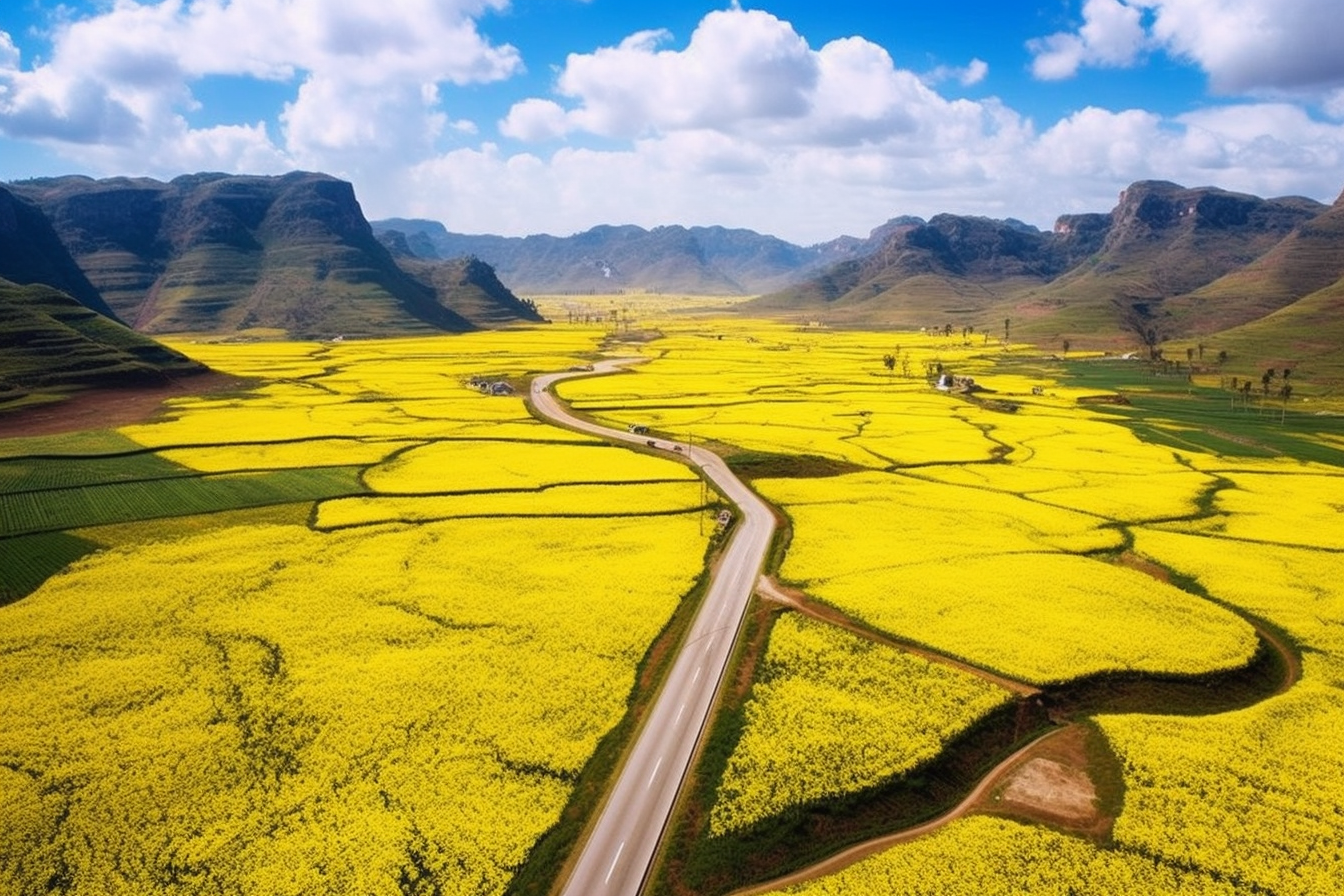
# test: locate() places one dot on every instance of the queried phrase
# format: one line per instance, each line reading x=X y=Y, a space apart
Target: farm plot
x=993 y=537
x=982 y=856
x=996 y=580
x=272 y=709
x=233 y=700
x=766 y=387
x=832 y=714
x=1007 y=562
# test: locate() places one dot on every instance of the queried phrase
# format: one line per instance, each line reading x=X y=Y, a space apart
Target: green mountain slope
x=216 y=254
x=50 y=342
x=31 y=252
x=1309 y=259
x=1162 y=240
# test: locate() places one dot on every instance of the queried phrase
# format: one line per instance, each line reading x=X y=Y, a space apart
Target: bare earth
x=1047 y=787
x=109 y=408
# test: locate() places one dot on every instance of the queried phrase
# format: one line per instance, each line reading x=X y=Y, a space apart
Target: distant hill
x=953 y=270
x=51 y=341
x=214 y=253
x=1100 y=279
x=1162 y=240
x=609 y=259
x=1310 y=258
x=477 y=292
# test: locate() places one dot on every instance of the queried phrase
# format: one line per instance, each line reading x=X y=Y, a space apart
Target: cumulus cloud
x=535 y=120
x=743 y=73
x=740 y=67
x=1112 y=34
x=741 y=123
x=1244 y=46
x=366 y=74
x=1247 y=46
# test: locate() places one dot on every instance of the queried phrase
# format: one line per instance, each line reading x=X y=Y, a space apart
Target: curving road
x=621 y=845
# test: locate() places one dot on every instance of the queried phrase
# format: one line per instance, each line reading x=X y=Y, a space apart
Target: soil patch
x=1044 y=785
x=111 y=407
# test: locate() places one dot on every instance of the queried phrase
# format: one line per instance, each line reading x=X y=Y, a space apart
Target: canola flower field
x=866 y=713
x=358 y=628
x=991 y=537
x=219 y=692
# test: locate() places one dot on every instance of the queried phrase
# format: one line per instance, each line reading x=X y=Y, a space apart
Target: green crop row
x=94 y=505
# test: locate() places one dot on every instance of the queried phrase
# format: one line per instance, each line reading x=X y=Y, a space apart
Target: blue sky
x=791 y=117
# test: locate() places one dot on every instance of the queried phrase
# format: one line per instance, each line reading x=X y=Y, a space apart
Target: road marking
x=657 y=765
x=698 y=670
x=679 y=712
x=709 y=646
x=613 y=862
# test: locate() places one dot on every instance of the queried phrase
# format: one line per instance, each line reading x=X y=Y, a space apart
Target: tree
x=1064 y=343
x=889 y=362
x=1201 y=351
x=1137 y=319
x=1222 y=356
x=1007 y=322
x=1189 y=356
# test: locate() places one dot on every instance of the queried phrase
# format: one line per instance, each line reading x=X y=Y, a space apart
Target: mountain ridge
x=218 y=253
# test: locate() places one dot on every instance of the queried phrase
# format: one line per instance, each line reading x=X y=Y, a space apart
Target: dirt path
x=769 y=589
x=1048 y=780
x=971 y=803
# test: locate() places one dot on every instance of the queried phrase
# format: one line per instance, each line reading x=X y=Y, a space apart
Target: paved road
x=621 y=846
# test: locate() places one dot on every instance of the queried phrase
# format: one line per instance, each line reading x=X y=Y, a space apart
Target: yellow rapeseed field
x=243 y=703
x=394 y=689
x=981 y=856
x=831 y=714
x=991 y=578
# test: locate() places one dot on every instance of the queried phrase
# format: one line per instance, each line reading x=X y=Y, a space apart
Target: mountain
x=477 y=292
x=51 y=341
x=1309 y=259
x=31 y=252
x=610 y=259
x=952 y=269
x=1104 y=278
x=215 y=253
x=1162 y=240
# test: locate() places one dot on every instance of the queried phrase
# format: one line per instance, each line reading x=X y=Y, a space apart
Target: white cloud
x=367 y=73
x=1112 y=35
x=1244 y=46
x=973 y=73
x=743 y=73
x=740 y=67
x=1249 y=46
x=742 y=124
x=9 y=54
x=845 y=140
x=1333 y=104
x=535 y=120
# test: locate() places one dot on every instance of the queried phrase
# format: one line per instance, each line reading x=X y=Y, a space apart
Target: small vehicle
x=638 y=429
x=651 y=443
